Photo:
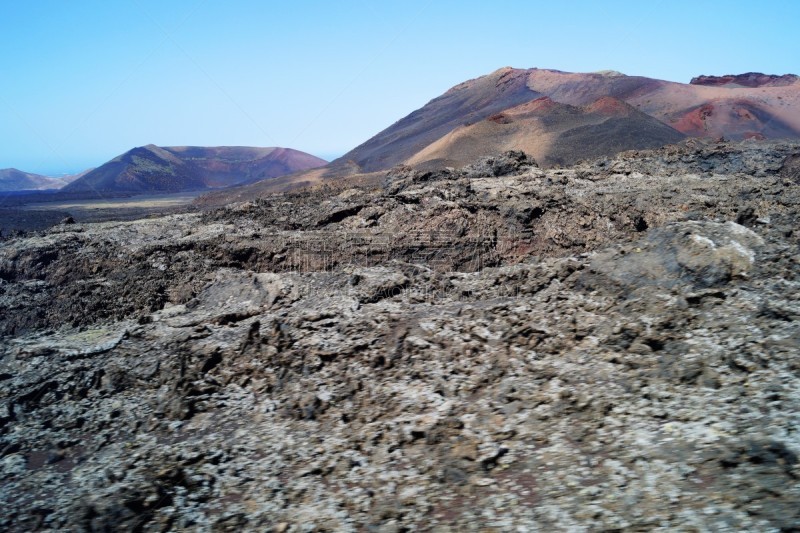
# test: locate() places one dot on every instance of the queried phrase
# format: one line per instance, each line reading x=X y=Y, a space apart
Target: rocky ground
x=610 y=346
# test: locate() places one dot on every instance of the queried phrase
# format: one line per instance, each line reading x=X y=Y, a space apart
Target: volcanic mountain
x=736 y=107
x=181 y=168
x=12 y=179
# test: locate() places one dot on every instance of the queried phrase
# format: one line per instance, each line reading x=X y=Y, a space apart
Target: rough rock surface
x=611 y=346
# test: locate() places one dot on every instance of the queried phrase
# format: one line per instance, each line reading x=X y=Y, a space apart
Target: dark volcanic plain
x=607 y=346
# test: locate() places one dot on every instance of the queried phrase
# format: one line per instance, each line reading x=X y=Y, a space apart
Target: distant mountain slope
x=226 y=165
x=12 y=179
x=554 y=133
x=172 y=169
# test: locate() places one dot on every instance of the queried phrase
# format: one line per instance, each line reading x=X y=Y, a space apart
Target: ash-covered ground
x=610 y=346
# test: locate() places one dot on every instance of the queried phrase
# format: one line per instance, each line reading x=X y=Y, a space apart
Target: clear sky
x=83 y=81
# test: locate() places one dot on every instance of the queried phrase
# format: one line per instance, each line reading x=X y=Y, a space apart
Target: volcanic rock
x=611 y=345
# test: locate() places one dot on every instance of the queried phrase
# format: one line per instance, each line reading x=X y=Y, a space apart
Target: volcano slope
x=612 y=345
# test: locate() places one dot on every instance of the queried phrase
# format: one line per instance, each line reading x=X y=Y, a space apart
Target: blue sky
x=83 y=81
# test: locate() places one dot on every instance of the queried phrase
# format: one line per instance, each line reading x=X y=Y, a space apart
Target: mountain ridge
x=748 y=79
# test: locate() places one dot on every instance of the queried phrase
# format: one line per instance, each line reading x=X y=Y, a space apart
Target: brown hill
x=172 y=169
